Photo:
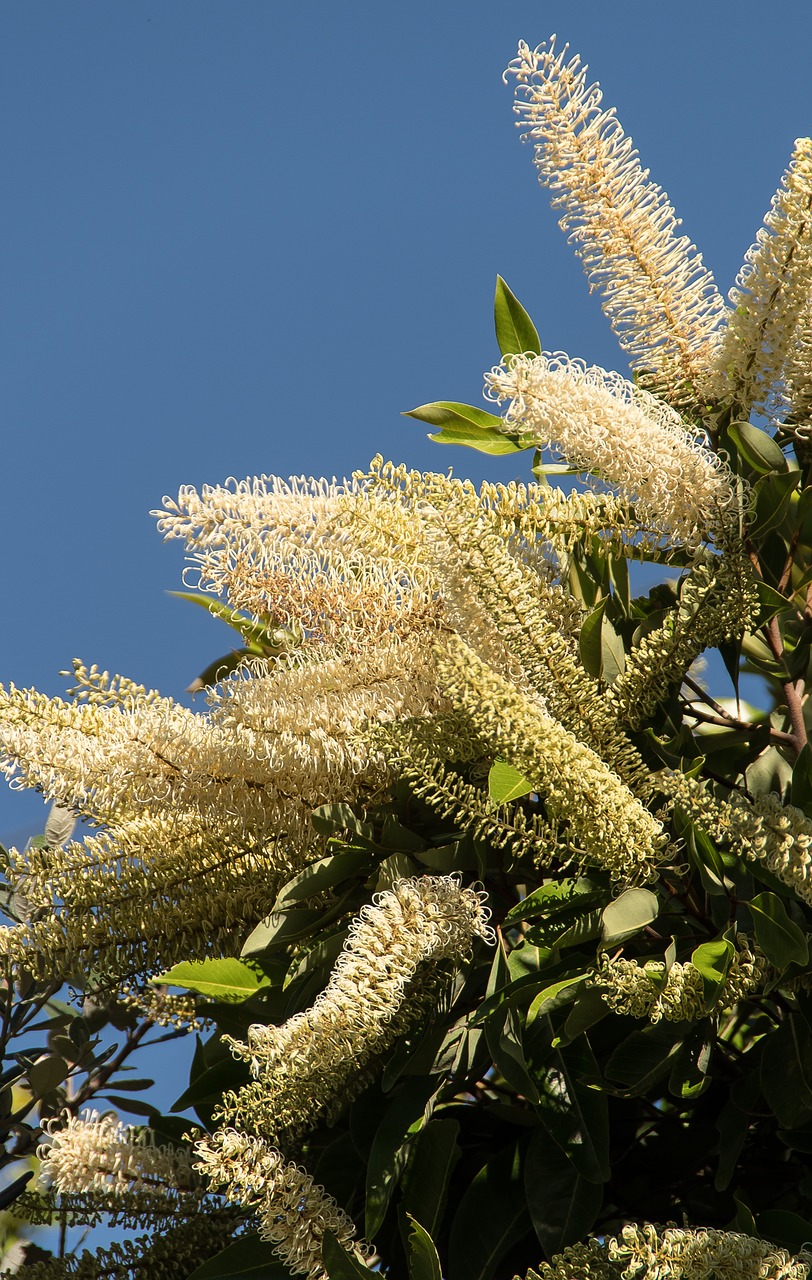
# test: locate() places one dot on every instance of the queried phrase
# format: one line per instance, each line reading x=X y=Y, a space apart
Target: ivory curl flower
x=93 y=1154
x=307 y=1066
x=293 y=1212
x=604 y=424
x=659 y=297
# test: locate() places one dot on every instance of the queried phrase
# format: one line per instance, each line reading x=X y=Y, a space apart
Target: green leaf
x=786 y=1072
x=323 y=874
x=425 y=1183
x=226 y=979
x=627 y=915
x=465 y=424
x=210 y=1084
x=563 y=1206
x=801 y=793
x=589 y=643
x=515 y=331
x=280 y=928
x=780 y=938
x=341 y=1265
x=506 y=783
x=390 y=1147
x=690 y=1073
x=504 y=1036
x=552 y=997
x=758 y=450
x=645 y=1056
x=576 y=1116
x=492 y=1216
x=771 y=495
x=248 y=1256
x=45 y=1075
x=424 y=1264
x=789 y=1230
x=770 y=601
x=562 y=895
x=713 y=959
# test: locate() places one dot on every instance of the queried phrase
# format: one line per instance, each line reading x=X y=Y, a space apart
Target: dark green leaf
x=589 y=644
x=390 y=1148
x=627 y=915
x=760 y=451
x=515 y=331
x=786 y=1072
x=45 y=1075
x=801 y=793
x=504 y=1035
x=787 y=1229
x=280 y=928
x=780 y=938
x=772 y=494
x=563 y=1205
x=645 y=1056
x=690 y=1073
x=492 y=1216
x=323 y=874
x=341 y=1265
x=424 y=1264
x=248 y=1256
x=425 y=1183
x=576 y=1116
x=554 y=996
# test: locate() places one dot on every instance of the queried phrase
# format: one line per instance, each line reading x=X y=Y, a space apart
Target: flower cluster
x=604 y=424
x=99 y=1156
x=311 y=1063
x=652 y=991
x=659 y=297
x=292 y=1210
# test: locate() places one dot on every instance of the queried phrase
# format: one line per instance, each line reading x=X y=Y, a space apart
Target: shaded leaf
x=781 y=939
x=390 y=1147
x=341 y=1265
x=425 y=1183
x=248 y=1256
x=576 y=1116
x=491 y=1217
x=424 y=1264
x=563 y=1206
x=759 y=450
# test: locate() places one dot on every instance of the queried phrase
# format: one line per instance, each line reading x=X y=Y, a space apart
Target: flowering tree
x=493 y=920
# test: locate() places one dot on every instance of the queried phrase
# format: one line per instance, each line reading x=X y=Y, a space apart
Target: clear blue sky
x=242 y=236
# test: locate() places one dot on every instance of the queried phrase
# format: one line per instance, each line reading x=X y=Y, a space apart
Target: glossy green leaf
x=563 y=1206
x=515 y=331
x=560 y=895
x=223 y=979
x=341 y=1265
x=589 y=643
x=781 y=939
x=248 y=1256
x=491 y=1217
x=554 y=996
x=645 y=1056
x=424 y=1264
x=627 y=915
x=759 y=450
x=503 y=1032
x=506 y=783
x=280 y=928
x=467 y=425
x=690 y=1073
x=425 y=1183
x=323 y=874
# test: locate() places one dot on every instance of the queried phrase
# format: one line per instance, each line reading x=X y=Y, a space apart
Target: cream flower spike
x=771 y=298
x=660 y=299
x=604 y=424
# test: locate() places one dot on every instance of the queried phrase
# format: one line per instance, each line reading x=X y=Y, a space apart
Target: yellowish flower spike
x=770 y=300
x=643 y=991
x=659 y=297
x=293 y=1212
x=646 y=1252
x=604 y=424
x=311 y=1065
x=609 y=825
x=109 y=1164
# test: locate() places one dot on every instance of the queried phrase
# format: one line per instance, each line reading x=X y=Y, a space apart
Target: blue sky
x=244 y=236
